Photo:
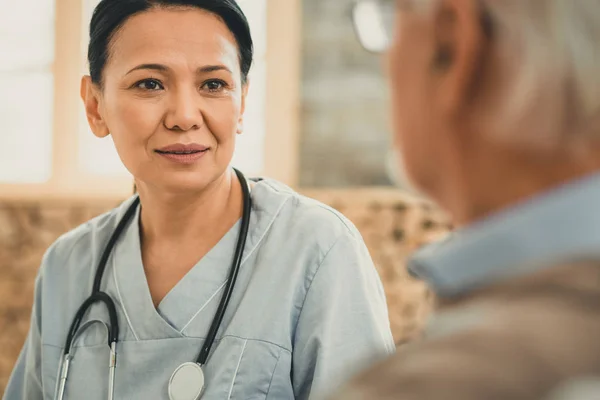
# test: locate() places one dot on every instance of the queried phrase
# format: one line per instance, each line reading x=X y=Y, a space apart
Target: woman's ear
x=91 y=96
x=240 y=124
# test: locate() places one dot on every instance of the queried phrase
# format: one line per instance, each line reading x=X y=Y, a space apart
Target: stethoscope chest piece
x=187 y=382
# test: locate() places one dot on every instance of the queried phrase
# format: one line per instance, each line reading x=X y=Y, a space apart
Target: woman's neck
x=184 y=217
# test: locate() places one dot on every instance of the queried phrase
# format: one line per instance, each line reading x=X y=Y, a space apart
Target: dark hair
x=110 y=15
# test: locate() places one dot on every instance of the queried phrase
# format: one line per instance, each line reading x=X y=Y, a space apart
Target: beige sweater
x=530 y=338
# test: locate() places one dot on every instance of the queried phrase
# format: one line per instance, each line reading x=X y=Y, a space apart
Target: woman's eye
x=149 y=84
x=214 y=86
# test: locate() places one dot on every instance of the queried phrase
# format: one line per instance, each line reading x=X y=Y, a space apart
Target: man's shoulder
x=522 y=339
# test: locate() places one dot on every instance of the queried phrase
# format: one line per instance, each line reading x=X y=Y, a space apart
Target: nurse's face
x=172 y=98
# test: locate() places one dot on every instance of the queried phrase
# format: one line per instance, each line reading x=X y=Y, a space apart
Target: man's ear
x=459 y=49
x=92 y=96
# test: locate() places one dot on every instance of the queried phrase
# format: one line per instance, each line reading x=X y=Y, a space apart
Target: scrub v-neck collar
x=202 y=286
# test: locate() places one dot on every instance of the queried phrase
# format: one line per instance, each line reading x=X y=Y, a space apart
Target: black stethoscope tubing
x=99 y=296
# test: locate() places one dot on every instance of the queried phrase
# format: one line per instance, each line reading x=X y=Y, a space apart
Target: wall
x=344 y=115
x=392 y=225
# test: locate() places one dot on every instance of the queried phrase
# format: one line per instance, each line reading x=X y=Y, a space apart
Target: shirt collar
x=559 y=225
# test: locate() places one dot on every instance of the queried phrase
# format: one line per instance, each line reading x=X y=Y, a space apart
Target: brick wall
x=344 y=117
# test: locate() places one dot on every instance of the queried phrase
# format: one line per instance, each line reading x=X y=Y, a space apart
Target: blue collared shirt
x=561 y=224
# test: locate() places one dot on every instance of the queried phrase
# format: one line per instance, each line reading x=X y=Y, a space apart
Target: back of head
x=552 y=47
x=489 y=91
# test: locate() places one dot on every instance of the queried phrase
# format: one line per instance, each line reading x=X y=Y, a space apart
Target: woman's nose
x=184 y=112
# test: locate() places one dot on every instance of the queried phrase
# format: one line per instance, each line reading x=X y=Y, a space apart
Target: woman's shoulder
x=83 y=241
x=302 y=213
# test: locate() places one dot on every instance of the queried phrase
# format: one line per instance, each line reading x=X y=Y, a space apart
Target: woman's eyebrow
x=213 y=68
x=164 y=68
x=155 y=67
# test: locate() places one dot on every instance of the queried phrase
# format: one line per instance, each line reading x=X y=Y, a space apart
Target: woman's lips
x=182 y=153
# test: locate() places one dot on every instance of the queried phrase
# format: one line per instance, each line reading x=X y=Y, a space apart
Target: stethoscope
x=187 y=381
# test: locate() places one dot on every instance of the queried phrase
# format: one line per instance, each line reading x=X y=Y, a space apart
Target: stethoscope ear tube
x=111 y=243
x=95 y=297
x=113 y=329
x=239 y=250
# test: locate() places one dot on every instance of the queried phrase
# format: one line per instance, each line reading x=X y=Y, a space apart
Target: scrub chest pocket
x=238 y=368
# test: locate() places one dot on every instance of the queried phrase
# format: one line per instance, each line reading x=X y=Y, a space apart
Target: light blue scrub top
x=308 y=310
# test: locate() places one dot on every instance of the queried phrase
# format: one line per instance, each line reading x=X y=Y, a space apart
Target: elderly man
x=497 y=108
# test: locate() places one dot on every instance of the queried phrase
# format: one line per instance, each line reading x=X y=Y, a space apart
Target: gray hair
x=551 y=50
